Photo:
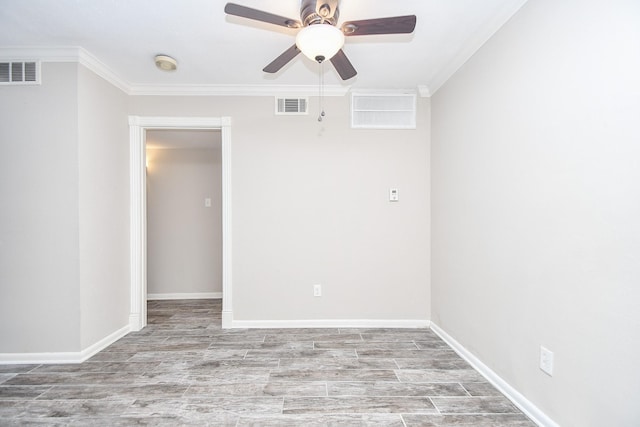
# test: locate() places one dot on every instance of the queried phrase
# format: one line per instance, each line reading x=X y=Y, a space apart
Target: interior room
x=433 y=222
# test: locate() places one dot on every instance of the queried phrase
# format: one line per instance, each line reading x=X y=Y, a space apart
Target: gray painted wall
x=184 y=237
x=64 y=219
x=310 y=205
x=103 y=182
x=39 y=254
x=536 y=207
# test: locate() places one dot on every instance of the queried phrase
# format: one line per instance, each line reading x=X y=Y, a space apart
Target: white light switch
x=207 y=202
x=393 y=195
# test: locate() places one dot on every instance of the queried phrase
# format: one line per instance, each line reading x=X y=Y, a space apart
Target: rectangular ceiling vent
x=19 y=72
x=292 y=106
x=383 y=111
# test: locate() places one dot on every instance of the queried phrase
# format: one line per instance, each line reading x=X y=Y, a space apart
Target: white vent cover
x=18 y=72
x=383 y=111
x=293 y=106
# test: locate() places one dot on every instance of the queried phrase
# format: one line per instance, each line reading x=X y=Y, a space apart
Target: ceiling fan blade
x=258 y=15
x=391 y=25
x=343 y=65
x=282 y=60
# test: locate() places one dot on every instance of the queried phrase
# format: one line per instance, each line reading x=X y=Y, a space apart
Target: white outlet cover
x=317 y=290
x=546 y=360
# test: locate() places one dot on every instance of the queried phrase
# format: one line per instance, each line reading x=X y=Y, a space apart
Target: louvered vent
x=15 y=72
x=292 y=106
x=383 y=111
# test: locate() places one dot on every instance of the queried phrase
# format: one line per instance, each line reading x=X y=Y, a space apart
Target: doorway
x=138 y=127
x=184 y=215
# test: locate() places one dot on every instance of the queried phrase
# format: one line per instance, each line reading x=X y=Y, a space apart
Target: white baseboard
x=332 y=323
x=532 y=411
x=104 y=343
x=40 y=358
x=136 y=322
x=227 y=319
x=64 y=357
x=195 y=295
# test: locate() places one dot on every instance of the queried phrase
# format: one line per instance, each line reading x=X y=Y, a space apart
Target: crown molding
x=475 y=42
x=383 y=91
x=99 y=68
x=91 y=62
x=42 y=53
x=66 y=54
x=236 y=90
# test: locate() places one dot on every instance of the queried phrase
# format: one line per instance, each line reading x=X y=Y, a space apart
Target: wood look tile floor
x=183 y=369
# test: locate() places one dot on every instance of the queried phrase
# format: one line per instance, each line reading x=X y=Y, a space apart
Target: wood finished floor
x=183 y=369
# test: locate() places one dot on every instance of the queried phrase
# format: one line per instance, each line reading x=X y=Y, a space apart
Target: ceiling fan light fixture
x=166 y=63
x=320 y=42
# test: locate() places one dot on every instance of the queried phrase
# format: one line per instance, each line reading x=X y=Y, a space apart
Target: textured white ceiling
x=215 y=49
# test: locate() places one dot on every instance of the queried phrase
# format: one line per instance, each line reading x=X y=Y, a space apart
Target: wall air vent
x=383 y=111
x=291 y=106
x=19 y=72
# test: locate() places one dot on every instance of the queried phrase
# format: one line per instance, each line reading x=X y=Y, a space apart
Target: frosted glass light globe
x=320 y=42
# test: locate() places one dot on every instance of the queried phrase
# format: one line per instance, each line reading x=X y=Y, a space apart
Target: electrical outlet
x=317 y=290
x=546 y=360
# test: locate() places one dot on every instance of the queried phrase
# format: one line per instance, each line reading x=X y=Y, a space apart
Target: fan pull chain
x=321 y=90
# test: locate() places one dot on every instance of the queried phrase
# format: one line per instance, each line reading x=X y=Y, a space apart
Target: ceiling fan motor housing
x=319 y=12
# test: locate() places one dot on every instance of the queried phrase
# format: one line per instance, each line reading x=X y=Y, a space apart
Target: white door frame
x=138 y=126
